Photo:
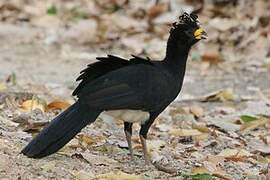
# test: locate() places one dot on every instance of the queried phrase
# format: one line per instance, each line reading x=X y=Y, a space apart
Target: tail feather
x=60 y=131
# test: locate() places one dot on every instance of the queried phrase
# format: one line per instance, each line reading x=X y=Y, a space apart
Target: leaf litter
x=223 y=134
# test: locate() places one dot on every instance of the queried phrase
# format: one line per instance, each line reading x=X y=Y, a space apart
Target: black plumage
x=113 y=83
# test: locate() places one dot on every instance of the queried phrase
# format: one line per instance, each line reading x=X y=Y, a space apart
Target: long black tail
x=60 y=131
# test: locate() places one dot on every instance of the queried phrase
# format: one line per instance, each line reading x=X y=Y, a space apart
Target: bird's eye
x=189 y=33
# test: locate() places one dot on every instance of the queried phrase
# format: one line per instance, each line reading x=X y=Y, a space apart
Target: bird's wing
x=137 y=86
x=103 y=66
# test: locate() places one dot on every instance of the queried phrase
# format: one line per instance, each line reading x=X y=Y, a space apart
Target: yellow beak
x=200 y=34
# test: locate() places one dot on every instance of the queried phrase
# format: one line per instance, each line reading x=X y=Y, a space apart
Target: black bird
x=134 y=90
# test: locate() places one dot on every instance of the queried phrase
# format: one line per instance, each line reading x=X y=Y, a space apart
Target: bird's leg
x=128 y=133
x=143 y=136
x=145 y=152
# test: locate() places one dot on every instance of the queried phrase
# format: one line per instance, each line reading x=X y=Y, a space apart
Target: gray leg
x=128 y=133
x=143 y=136
x=145 y=152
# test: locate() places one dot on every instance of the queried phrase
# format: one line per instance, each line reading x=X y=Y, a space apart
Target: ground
x=217 y=128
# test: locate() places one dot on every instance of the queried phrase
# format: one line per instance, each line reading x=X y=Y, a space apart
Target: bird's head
x=187 y=30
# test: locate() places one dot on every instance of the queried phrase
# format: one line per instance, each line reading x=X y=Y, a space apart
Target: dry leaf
x=35 y=103
x=225 y=123
x=260 y=146
x=57 y=105
x=82 y=175
x=197 y=111
x=215 y=159
x=212 y=57
x=156 y=10
x=155 y=145
x=5 y=162
x=254 y=124
x=2 y=87
x=118 y=176
x=73 y=143
x=222 y=175
x=98 y=159
x=201 y=127
x=163 y=127
x=32 y=126
x=49 y=166
x=201 y=137
x=222 y=95
x=211 y=166
x=227 y=153
x=86 y=140
x=46 y=21
x=199 y=170
x=267 y=63
x=184 y=132
x=252 y=172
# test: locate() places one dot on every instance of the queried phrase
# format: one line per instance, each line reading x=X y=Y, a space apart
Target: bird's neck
x=176 y=56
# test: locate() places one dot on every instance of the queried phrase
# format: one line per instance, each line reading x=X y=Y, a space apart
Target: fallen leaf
x=184 y=132
x=5 y=162
x=267 y=63
x=52 y=10
x=197 y=111
x=256 y=107
x=33 y=126
x=57 y=105
x=35 y=103
x=234 y=153
x=163 y=127
x=254 y=124
x=121 y=143
x=215 y=159
x=212 y=57
x=31 y=122
x=201 y=137
x=86 y=140
x=2 y=86
x=260 y=146
x=252 y=172
x=48 y=166
x=201 y=127
x=118 y=176
x=221 y=95
x=225 y=123
x=46 y=21
x=98 y=159
x=155 y=145
x=156 y=10
x=211 y=166
x=246 y=118
x=204 y=176
x=73 y=143
x=12 y=79
x=199 y=170
x=82 y=175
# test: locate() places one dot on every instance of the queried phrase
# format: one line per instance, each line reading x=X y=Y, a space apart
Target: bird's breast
x=126 y=115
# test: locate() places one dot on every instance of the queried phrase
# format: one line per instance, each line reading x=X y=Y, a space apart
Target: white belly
x=132 y=116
